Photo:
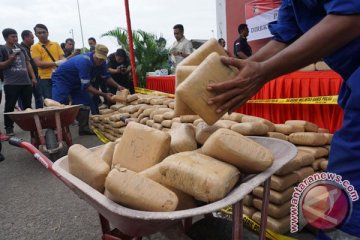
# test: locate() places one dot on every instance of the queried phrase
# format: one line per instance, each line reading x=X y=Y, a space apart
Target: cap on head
x=101 y=51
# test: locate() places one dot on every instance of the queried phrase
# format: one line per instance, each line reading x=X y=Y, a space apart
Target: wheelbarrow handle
x=39 y=156
x=15 y=141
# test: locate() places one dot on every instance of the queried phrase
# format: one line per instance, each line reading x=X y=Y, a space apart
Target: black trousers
x=12 y=94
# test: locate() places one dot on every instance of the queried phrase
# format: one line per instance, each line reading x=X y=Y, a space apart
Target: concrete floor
x=34 y=204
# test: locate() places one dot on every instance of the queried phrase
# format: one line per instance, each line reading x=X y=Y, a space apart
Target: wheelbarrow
x=133 y=224
x=47 y=120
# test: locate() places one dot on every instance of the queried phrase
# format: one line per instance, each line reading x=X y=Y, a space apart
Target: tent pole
x=131 y=45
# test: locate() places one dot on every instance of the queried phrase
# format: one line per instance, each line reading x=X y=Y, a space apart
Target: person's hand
x=108 y=97
x=118 y=70
x=12 y=56
x=120 y=88
x=34 y=82
x=59 y=62
x=235 y=92
x=123 y=70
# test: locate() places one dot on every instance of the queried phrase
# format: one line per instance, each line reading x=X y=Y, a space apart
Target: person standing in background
x=27 y=41
x=182 y=47
x=16 y=67
x=242 y=49
x=3 y=137
x=47 y=56
x=92 y=43
x=69 y=48
x=120 y=69
x=222 y=43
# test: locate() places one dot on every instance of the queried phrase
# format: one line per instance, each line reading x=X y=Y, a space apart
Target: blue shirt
x=79 y=70
x=297 y=17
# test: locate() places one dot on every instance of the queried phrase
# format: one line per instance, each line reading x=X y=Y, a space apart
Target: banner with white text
x=258 y=14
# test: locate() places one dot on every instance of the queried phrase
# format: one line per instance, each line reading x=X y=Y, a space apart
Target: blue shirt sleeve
x=285 y=29
x=342 y=7
x=84 y=66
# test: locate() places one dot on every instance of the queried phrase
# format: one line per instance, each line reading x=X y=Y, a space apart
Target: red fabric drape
x=294 y=85
x=161 y=83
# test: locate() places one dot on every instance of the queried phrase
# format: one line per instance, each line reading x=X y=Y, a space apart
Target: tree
x=149 y=50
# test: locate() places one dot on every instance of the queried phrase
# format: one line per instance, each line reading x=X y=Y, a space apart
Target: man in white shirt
x=182 y=47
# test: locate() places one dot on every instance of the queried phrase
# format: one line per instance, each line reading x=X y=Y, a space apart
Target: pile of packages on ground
x=167 y=153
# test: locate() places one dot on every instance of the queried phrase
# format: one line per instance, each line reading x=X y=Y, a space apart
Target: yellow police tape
x=100 y=136
x=254 y=226
x=303 y=100
x=153 y=92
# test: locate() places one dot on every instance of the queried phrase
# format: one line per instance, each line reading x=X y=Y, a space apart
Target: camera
x=16 y=50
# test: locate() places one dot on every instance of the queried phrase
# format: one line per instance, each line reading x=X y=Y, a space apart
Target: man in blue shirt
x=306 y=31
x=73 y=77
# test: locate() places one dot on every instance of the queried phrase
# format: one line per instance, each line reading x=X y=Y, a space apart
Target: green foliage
x=149 y=50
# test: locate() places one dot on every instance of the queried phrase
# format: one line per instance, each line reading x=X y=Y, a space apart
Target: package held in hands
x=193 y=91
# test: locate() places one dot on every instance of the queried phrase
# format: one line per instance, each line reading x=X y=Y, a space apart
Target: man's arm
x=43 y=64
x=188 y=48
x=5 y=64
x=113 y=70
x=31 y=72
x=94 y=91
x=330 y=34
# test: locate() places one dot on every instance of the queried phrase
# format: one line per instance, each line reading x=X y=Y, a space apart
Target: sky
x=97 y=17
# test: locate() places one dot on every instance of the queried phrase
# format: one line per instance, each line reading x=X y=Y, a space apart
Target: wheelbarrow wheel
x=211 y=229
x=50 y=138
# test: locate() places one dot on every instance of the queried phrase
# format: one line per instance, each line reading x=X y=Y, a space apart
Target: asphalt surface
x=34 y=204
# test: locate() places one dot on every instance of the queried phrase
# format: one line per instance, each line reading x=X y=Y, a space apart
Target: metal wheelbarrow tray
x=36 y=120
x=136 y=223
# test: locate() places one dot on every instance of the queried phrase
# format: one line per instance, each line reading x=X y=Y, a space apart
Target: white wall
x=221 y=19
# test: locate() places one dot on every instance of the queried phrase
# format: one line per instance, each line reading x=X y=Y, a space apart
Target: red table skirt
x=294 y=85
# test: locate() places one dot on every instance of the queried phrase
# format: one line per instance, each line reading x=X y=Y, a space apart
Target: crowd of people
x=61 y=72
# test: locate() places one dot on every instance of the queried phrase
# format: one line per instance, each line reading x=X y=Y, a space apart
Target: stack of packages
x=190 y=121
x=137 y=107
x=313 y=148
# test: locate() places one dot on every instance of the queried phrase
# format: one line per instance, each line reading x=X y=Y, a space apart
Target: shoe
x=10 y=132
x=3 y=137
x=2 y=158
x=83 y=122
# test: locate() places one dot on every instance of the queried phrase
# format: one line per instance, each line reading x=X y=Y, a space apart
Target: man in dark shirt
x=69 y=48
x=242 y=49
x=27 y=41
x=16 y=67
x=120 y=69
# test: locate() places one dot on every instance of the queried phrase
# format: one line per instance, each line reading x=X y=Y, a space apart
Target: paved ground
x=36 y=205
